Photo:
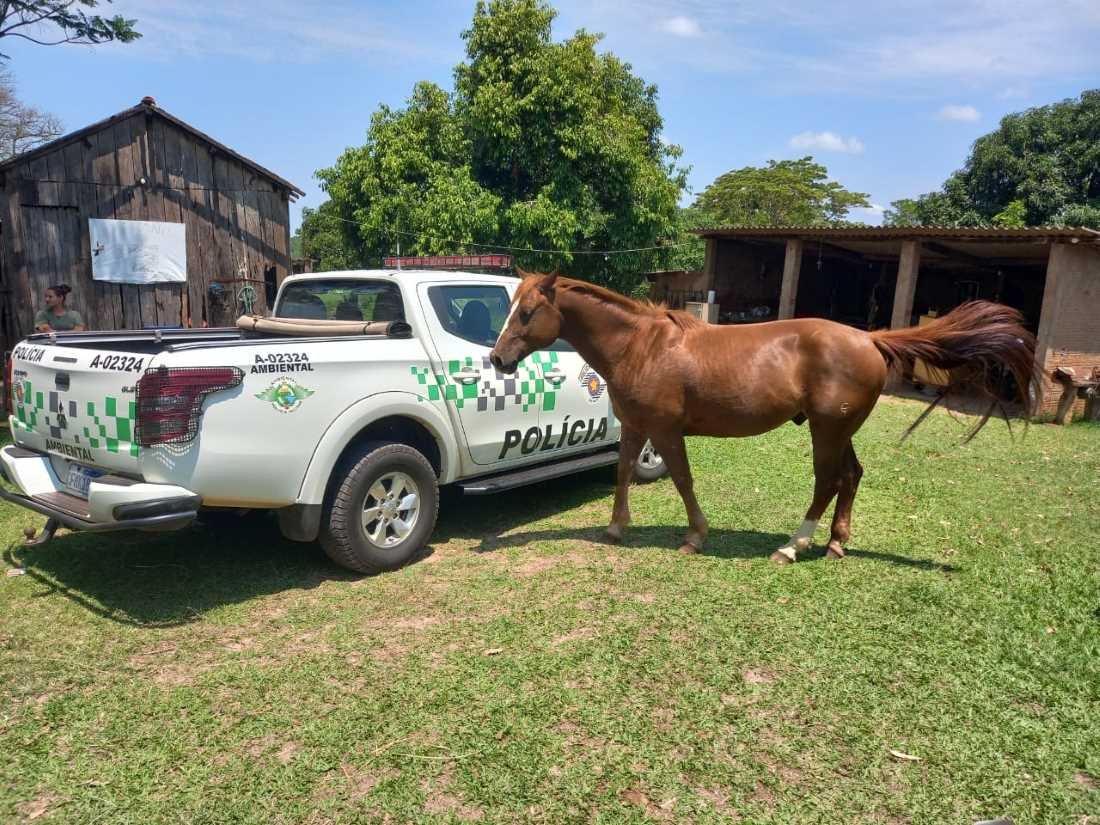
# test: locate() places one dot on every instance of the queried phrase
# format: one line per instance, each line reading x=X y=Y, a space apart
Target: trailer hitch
x=47 y=533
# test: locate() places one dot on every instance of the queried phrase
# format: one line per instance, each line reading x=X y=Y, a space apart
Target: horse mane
x=634 y=306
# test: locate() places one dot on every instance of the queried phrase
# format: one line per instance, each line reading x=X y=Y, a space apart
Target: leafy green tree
x=543 y=144
x=1046 y=160
x=1012 y=216
x=25 y=18
x=322 y=239
x=783 y=193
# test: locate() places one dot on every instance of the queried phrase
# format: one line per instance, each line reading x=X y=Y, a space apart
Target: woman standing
x=56 y=317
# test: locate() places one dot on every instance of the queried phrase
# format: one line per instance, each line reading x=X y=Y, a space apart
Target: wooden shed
x=141 y=164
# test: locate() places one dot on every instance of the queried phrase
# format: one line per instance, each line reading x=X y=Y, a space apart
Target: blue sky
x=888 y=95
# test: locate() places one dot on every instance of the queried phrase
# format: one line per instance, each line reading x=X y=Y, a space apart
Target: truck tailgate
x=77 y=404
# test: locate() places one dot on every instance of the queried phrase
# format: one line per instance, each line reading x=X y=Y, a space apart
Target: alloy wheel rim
x=649 y=458
x=391 y=509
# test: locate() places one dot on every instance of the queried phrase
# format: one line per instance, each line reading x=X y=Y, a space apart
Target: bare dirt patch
x=718 y=800
x=574 y=636
x=37 y=808
x=439 y=800
x=287 y=752
x=758 y=676
x=662 y=811
x=1085 y=780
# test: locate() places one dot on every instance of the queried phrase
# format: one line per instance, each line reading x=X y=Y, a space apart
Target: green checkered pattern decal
x=527 y=388
x=108 y=425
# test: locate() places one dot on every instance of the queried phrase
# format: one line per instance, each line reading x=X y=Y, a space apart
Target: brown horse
x=671 y=375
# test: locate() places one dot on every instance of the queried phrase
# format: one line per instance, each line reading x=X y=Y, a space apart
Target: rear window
x=341 y=300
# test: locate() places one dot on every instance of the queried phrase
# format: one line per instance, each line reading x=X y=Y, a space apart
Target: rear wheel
x=649 y=466
x=382 y=508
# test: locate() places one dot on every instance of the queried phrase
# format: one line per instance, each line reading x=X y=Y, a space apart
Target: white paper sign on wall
x=138 y=252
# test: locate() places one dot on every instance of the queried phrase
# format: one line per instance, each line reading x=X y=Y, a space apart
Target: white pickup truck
x=344 y=412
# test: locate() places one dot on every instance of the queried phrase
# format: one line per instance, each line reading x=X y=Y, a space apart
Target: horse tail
x=971 y=340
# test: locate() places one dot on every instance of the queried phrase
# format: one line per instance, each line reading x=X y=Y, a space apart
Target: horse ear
x=522 y=273
x=546 y=285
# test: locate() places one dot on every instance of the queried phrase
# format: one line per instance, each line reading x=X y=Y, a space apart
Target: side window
x=472 y=313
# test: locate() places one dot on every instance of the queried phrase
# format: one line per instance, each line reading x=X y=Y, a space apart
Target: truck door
x=581 y=419
x=499 y=414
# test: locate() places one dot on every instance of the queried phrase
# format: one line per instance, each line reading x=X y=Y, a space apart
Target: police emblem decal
x=593 y=383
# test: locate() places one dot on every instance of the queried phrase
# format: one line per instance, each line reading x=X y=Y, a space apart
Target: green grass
x=525 y=672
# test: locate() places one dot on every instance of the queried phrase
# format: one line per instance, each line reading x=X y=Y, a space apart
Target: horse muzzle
x=507 y=367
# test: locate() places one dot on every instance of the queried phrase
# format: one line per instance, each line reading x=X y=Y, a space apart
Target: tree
x=1040 y=166
x=542 y=144
x=22 y=127
x=322 y=239
x=25 y=19
x=783 y=193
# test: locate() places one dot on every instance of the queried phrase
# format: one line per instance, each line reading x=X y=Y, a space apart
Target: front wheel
x=649 y=466
x=382 y=509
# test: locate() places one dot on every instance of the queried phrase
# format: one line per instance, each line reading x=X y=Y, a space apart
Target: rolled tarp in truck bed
x=312 y=328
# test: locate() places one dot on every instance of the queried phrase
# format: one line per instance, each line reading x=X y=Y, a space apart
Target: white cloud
x=285 y=31
x=913 y=47
x=966 y=114
x=826 y=142
x=681 y=26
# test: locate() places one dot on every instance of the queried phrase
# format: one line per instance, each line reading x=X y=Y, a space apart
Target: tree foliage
x=321 y=237
x=1040 y=166
x=783 y=193
x=542 y=144
x=65 y=21
x=22 y=127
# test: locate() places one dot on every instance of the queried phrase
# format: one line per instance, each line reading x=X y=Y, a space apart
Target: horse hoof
x=781 y=558
x=689 y=549
x=613 y=536
x=834 y=553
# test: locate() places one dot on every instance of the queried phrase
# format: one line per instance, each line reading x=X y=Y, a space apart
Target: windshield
x=341 y=299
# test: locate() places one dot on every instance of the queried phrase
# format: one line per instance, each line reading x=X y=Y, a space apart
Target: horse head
x=533 y=323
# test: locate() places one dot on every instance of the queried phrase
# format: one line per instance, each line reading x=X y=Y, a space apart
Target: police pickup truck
x=343 y=412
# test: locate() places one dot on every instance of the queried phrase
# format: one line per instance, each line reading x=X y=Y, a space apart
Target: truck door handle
x=554 y=376
x=467 y=376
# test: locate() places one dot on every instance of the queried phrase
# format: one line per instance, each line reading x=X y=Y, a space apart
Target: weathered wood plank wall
x=140 y=168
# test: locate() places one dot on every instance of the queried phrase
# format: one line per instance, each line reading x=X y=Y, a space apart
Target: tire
x=363 y=485
x=649 y=466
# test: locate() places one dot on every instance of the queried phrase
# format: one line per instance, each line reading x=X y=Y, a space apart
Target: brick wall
x=1069 y=328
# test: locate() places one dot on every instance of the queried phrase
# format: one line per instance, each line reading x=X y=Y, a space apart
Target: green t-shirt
x=59 y=323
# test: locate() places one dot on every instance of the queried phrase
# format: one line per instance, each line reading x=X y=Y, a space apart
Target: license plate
x=79 y=479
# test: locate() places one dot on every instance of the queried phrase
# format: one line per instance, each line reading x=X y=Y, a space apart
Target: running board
x=533 y=475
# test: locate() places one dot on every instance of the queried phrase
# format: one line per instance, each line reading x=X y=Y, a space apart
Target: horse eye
x=525 y=316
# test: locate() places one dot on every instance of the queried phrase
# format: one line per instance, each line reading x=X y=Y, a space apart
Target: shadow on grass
x=721 y=543
x=169 y=579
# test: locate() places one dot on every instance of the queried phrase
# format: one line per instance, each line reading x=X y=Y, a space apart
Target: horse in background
x=671 y=375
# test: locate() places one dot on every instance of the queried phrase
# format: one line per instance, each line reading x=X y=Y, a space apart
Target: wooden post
x=710 y=264
x=908 y=271
x=792 y=265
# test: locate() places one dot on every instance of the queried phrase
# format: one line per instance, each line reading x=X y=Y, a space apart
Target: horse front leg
x=630 y=446
x=674 y=452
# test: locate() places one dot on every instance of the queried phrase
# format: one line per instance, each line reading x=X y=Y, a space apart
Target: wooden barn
x=884 y=276
x=141 y=164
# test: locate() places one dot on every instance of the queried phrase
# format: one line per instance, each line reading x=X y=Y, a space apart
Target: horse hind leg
x=828 y=460
x=850 y=474
x=674 y=453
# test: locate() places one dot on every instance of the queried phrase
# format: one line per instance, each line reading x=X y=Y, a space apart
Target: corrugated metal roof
x=153 y=109
x=883 y=233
